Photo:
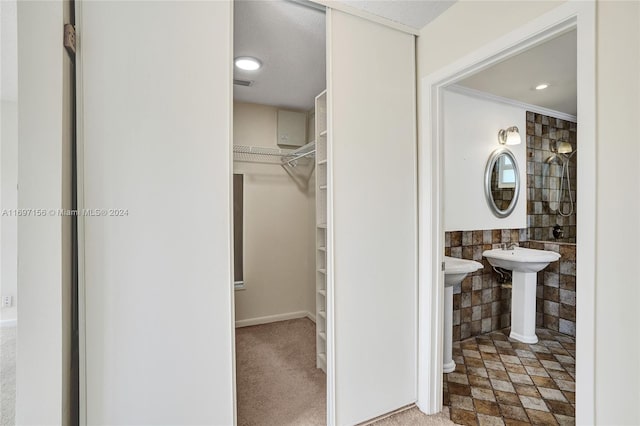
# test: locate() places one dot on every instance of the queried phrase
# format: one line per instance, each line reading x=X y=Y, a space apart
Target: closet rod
x=302 y=152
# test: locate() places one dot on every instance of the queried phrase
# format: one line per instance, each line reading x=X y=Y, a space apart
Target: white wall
x=618 y=213
x=279 y=262
x=469 y=25
x=373 y=159
x=156 y=81
x=44 y=124
x=9 y=158
x=9 y=191
x=471 y=126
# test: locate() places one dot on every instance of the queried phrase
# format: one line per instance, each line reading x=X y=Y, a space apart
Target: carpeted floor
x=278 y=382
x=7 y=375
x=415 y=417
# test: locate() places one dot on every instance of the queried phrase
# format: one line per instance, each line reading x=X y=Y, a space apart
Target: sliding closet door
x=156 y=99
x=372 y=137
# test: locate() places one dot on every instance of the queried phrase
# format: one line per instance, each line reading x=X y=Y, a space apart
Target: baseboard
x=275 y=318
x=311 y=316
x=9 y=323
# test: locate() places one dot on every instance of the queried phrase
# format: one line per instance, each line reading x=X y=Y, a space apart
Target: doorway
x=279 y=188
x=559 y=21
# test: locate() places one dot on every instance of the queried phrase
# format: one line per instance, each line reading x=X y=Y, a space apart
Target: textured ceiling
x=289 y=39
x=553 y=62
x=9 y=51
x=413 y=13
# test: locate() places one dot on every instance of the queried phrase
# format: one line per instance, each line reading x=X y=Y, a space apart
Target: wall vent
x=242 y=82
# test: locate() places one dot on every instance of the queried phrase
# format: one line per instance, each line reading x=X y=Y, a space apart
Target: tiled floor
x=500 y=381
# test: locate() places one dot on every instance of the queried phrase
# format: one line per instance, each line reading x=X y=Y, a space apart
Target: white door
x=155 y=114
x=372 y=143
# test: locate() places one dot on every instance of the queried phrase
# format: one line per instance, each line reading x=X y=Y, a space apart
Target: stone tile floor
x=500 y=381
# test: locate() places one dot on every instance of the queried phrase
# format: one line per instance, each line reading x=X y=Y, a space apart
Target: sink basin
x=524 y=264
x=521 y=259
x=455 y=270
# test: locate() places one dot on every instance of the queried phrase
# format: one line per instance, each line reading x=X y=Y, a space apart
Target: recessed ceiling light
x=542 y=86
x=248 y=63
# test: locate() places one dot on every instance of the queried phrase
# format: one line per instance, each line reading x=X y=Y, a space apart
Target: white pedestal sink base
x=448 y=364
x=523 y=307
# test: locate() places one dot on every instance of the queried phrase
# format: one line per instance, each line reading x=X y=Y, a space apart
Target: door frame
x=566 y=17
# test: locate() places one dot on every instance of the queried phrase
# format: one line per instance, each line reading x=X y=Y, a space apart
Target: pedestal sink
x=525 y=264
x=455 y=270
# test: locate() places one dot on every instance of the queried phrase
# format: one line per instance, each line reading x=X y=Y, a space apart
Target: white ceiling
x=9 y=49
x=289 y=39
x=553 y=62
x=412 y=13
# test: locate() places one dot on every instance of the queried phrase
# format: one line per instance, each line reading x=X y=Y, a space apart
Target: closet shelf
x=266 y=155
x=322 y=279
x=259 y=154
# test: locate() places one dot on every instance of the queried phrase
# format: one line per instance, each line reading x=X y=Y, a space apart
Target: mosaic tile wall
x=544 y=198
x=556 y=292
x=480 y=304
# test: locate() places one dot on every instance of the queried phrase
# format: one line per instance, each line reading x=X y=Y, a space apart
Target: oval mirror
x=502 y=182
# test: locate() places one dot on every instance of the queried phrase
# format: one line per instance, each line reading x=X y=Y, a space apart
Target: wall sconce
x=510 y=136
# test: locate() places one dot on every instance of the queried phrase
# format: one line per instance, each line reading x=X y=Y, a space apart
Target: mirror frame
x=487 y=182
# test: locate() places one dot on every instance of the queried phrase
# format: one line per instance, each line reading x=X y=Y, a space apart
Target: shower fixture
x=563 y=147
x=563 y=151
x=510 y=136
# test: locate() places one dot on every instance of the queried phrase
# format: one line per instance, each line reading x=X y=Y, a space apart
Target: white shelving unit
x=321 y=230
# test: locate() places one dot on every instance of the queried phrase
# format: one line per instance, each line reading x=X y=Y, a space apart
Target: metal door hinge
x=69 y=40
x=442 y=266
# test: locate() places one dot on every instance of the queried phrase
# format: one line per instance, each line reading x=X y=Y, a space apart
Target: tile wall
x=556 y=296
x=544 y=198
x=482 y=305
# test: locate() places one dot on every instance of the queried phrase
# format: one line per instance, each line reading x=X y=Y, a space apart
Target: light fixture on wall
x=510 y=136
x=247 y=63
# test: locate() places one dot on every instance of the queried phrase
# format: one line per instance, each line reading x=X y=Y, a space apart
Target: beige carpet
x=415 y=417
x=276 y=375
x=7 y=376
x=278 y=382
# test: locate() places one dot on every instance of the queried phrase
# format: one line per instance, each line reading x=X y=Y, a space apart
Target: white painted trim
x=456 y=88
x=232 y=299
x=275 y=318
x=330 y=297
x=9 y=323
x=564 y=18
x=332 y=4
x=586 y=205
x=82 y=325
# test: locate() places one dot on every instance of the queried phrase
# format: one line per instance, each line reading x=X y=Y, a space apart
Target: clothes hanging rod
x=302 y=152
